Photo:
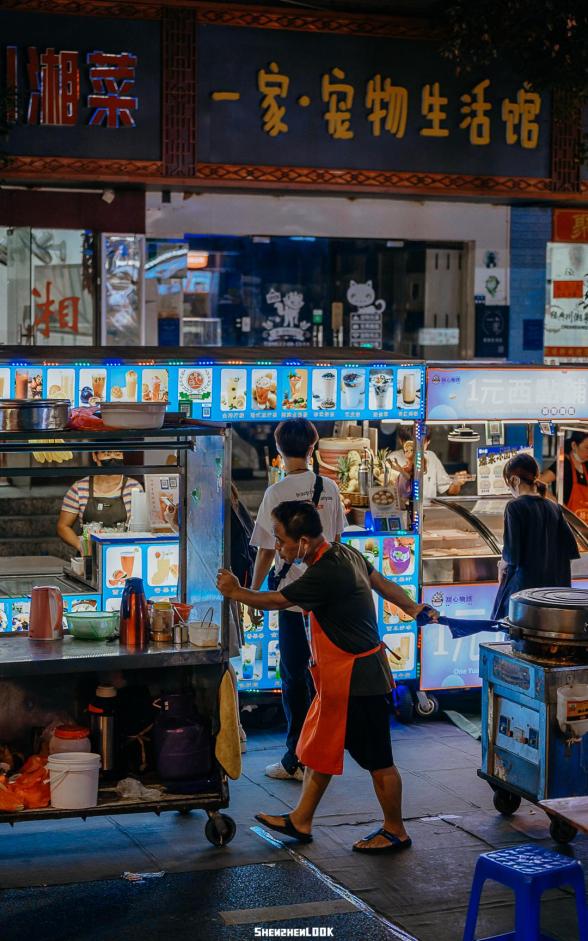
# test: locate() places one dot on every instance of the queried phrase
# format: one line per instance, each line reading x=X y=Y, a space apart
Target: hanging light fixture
x=463 y=435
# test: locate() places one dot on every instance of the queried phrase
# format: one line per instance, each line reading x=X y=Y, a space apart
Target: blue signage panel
x=316 y=99
x=217 y=392
x=448 y=664
x=523 y=394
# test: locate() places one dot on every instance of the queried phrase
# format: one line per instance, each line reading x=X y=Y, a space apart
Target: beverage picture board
x=231 y=392
x=155 y=559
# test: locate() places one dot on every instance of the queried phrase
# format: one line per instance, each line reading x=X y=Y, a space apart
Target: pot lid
x=567 y=598
x=32 y=403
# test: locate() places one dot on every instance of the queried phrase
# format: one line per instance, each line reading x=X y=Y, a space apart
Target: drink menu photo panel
x=61 y=384
x=353 y=389
x=28 y=382
x=5 y=383
x=398 y=556
x=163 y=565
x=233 y=396
x=264 y=390
x=124 y=384
x=122 y=562
x=92 y=386
x=408 y=388
x=295 y=389
x=381 y=389
x=154 y=385
x=324 y=389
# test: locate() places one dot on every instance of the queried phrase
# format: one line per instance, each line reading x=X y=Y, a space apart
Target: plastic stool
x=528 y=870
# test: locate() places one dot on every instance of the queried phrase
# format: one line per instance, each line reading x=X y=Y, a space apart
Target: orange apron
x=578 y=501
x=322 y=741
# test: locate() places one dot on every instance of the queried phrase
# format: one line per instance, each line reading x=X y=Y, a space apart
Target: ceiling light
x=463 y=434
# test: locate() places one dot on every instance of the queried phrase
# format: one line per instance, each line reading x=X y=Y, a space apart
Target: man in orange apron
x=350 y=671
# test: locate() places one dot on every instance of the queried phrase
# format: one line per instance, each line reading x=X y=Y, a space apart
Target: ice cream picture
x=381 y=389
x=296 y=390
x=353 y=389
x=398 y=555
x=264 y=389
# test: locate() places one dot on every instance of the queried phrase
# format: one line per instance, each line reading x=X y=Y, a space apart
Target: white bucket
x=73 y=779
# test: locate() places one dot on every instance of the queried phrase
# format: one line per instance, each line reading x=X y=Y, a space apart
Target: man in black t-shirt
x=350 y=670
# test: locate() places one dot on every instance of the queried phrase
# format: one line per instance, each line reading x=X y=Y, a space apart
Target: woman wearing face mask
x=538 y=544
x=103 y=498
x=575 y=471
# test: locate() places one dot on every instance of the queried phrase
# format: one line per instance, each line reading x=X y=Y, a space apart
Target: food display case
x=461 y=546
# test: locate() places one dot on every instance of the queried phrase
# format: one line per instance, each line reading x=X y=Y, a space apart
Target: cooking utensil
x=92 y=625
x=133 y=416
x=551 y=614
x=46 y=616
x=36 y=415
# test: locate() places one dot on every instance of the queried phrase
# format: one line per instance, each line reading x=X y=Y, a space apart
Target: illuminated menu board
x=237 y=392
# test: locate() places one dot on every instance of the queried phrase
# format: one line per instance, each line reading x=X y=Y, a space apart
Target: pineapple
x=344 y=472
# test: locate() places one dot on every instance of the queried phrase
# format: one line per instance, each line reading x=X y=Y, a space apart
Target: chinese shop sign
x=570 y=225
x=322 y=100
x=83 y=87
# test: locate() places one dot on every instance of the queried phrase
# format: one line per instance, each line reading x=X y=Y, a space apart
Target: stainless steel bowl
x=34 y=415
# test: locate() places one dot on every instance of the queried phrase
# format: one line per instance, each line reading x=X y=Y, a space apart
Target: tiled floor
x=449 y=815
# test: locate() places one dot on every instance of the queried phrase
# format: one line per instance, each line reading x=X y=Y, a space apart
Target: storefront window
x=303 y=291
x=47 y=279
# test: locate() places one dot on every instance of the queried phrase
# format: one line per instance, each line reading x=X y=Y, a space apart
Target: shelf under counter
x=20 y=656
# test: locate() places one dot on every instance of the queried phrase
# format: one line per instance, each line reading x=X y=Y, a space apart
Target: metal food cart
x=201 y=459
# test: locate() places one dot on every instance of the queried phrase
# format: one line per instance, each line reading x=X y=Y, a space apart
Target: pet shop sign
x=344 y=101
x=286 y=325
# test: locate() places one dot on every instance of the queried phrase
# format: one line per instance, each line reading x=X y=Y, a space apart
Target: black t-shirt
x=337 y=590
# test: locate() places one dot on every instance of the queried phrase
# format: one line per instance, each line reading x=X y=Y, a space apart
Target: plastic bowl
x=93 y=625
x=133 y=416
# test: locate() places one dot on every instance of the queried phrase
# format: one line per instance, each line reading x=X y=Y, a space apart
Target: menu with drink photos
x=224 y=392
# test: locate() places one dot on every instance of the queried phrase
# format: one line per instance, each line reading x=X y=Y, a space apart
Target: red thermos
x=134 y=621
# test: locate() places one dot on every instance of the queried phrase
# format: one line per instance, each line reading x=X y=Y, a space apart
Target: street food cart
x=530 y=747
x=199 y=457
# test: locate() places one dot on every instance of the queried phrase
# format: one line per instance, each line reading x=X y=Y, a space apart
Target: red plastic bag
x=84 y=418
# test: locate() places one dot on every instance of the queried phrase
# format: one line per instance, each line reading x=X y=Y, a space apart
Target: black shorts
x=367 y=738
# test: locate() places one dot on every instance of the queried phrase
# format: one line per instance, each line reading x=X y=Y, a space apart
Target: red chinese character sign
x=81 y=86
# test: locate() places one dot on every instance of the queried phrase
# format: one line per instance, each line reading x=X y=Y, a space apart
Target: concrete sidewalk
x=424 y=891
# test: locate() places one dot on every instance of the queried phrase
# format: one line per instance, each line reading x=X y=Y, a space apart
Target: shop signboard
x=510 y=394
x=448 y=664
x=81 y=86
x=566 y=314
x=353 y=102
x=239 y=392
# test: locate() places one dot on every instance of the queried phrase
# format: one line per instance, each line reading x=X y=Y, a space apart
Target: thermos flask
x=102 y=712
x=134 y=620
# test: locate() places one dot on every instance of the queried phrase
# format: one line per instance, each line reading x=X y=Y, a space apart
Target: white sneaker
x=279 y=772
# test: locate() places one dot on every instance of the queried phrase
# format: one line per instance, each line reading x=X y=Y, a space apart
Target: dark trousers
x=297 y=686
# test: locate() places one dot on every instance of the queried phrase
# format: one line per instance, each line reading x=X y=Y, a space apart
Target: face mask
x=112 y=461
x=299 y=560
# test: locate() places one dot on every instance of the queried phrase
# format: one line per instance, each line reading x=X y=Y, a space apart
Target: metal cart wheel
x=403 y=704
x=220 y=829
x=506 y=803
x=561 y=831
x=428 y=708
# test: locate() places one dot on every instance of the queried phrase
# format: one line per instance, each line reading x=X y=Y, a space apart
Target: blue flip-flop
x=286 y=828
x=394 y=844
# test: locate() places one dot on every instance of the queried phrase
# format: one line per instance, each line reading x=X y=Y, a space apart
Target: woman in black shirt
x=538 y=543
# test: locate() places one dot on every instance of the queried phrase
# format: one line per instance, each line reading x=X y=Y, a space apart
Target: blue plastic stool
x=528 y=870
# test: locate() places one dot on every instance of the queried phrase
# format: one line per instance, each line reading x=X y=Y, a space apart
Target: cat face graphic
x=361 y=295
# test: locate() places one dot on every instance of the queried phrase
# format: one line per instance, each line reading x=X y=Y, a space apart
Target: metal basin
x=34 y=415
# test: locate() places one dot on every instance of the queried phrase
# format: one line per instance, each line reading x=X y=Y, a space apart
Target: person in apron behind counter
x=538 y=544
x=349 y=668
x=575 y=474
x=102 y=499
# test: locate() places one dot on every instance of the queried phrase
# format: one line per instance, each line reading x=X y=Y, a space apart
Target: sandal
x=288 y=828
x=394 y=844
